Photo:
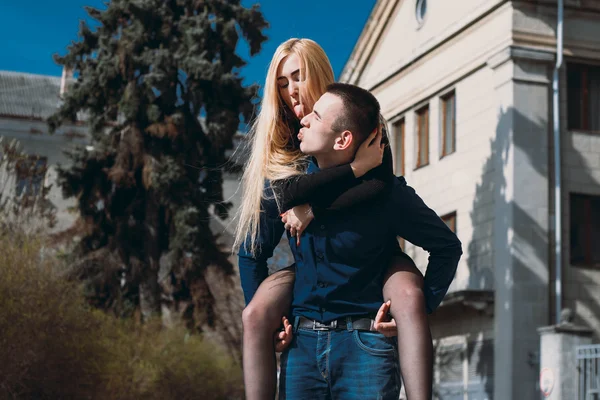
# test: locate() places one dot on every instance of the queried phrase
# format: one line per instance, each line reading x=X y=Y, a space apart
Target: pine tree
x=158 y=82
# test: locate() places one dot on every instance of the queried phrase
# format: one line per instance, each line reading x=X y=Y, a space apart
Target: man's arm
x=420 y=225
x=253 y=268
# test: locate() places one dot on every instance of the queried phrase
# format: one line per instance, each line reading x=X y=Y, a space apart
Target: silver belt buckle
x=317 y=326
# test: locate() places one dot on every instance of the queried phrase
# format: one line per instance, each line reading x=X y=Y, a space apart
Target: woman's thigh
x=402 y=273
x=274 y=295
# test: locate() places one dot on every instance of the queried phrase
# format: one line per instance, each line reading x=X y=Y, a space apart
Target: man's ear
x=343 y=141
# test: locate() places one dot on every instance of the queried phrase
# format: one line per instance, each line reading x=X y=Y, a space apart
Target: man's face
x=317 y=136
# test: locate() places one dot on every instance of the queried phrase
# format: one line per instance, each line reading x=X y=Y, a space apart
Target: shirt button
x=321 y=284
x=320 y=257
x=322 y=227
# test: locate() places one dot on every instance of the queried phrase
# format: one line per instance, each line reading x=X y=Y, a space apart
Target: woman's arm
x=326 y=188
x=374 y=183
x=304 y=188
x=253 y=267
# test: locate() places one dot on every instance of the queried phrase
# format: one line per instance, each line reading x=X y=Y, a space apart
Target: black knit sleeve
x=304 y=188
x=333 y=188
x=370 y=186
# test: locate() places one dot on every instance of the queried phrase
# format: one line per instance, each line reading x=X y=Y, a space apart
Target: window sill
x=420 y=167
x=584 y=265
x=447 y=154
x=584 y=131
x=478 y=300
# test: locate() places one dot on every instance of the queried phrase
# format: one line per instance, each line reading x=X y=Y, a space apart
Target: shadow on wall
x=491 y=217
x=531 y=245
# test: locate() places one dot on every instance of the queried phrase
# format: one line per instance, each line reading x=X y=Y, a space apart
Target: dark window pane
x=574 y=96
x=594 y=228
x=584 y=230
x=423 y=137
x=30 y=173
x=593 y=98
x=583 y=97
x=577 y=229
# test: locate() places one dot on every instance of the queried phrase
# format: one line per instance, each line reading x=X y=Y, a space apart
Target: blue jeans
x=340 y=364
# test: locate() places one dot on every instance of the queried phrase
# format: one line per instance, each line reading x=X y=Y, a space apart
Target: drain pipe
x=557 y=161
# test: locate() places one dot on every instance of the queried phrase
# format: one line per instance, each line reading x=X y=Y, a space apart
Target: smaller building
x=26 y=101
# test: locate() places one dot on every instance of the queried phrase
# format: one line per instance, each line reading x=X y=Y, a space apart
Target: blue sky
x=32 y=31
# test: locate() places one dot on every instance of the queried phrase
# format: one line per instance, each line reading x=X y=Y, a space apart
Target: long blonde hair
x=271 y=156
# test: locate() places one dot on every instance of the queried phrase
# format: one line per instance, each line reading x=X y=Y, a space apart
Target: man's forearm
x=440 y=273
x=421 y=226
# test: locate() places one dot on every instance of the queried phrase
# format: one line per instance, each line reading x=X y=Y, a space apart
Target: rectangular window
x=585 y=233
x=399 y=127
x=448 y=124
x=422 y=137
x=30 y=173
x=583 y=97
x=464 y=370
x=450 y=220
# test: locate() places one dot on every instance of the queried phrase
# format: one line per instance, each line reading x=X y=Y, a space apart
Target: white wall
x=34 y=139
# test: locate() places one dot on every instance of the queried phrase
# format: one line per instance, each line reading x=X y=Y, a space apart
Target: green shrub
x=54 y=346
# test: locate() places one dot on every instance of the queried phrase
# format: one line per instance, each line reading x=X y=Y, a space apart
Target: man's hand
x=297 y=219
x=383 y=323
x=369 y=154
x=283 y=338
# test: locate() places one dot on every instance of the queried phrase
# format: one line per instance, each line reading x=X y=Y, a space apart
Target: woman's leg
x=403 y=285
x=261 y=319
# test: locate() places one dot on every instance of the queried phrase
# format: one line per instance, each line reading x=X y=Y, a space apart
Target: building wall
x=535 y=26
x=580 y=169
x=465 y=182
x=461 y=182
x=34 y=139
x=403 y=39
x=581 y=172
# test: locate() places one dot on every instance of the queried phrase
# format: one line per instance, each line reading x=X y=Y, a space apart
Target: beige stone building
x=467 y=88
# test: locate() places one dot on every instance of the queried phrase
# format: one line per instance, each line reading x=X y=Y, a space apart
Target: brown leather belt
x=349 y=323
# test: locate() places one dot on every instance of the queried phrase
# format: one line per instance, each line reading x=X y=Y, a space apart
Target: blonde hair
x=271 y=156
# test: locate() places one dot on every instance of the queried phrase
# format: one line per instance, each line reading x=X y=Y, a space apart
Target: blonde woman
x=298 y=75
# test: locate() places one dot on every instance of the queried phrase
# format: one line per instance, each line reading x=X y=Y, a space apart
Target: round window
x=421 y=10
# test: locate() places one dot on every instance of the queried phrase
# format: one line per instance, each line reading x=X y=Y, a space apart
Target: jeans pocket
x=374 y=343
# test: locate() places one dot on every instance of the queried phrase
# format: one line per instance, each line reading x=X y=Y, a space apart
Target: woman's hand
x=369 y=154
x=297 y=219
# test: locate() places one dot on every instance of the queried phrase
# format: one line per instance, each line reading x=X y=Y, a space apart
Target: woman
x=298 y=75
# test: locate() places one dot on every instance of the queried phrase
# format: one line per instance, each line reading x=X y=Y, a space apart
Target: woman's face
x=289 y=83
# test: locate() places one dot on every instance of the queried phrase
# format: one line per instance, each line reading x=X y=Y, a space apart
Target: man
x=340 y=261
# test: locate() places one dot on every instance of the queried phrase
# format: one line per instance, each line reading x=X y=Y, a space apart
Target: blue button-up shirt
x=342 y=256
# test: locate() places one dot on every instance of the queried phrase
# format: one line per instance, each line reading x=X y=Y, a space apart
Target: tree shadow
x=521 y=229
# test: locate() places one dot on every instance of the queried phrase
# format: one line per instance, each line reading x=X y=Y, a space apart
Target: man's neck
x=333 y=159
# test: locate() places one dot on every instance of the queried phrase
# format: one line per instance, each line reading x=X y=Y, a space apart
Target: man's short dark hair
x=360 y=113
